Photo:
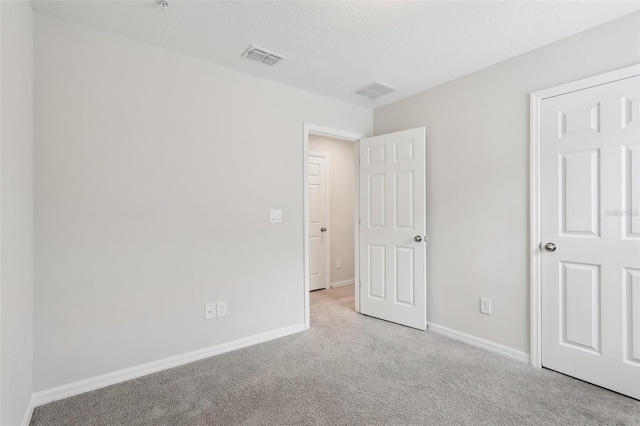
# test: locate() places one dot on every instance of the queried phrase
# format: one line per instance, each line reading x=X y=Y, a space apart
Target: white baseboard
x=481 y=343
x=82 y=386
x=342 y=283
x=27 y=415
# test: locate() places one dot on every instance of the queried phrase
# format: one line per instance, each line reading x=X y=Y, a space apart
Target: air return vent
x=261 y=55
x=374 y=90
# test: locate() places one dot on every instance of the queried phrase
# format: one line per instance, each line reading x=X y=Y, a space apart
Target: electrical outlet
x=485 y=306
x=275 y=216
x=209 y=311
x=339 y=263
x=221 y=309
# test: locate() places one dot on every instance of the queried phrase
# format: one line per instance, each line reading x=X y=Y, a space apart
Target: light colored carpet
x=348 y=369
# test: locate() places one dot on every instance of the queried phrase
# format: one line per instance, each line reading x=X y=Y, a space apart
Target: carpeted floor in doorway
x=348 y=369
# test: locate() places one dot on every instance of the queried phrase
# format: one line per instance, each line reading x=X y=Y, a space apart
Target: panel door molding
x=585 y=186
x=393 y=213
x=318 y=220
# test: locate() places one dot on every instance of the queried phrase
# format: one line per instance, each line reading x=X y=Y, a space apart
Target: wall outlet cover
x=275 y=216
x=209 y=311
x=221 y=309
x=485 y=306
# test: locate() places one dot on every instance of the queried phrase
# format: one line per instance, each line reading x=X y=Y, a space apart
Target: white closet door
x=591 y=234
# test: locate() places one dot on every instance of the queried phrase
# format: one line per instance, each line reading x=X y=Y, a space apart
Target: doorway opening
x=331 y=211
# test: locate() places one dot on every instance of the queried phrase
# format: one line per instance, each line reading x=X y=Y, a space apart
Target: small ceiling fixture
x=163 y=4
x=374 y=90
x=261 y=55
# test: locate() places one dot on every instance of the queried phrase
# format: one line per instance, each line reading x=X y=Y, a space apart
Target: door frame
x=314 y=129
x=327 y=218
x=535 y=212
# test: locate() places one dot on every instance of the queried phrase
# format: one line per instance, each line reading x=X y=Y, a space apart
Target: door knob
x=550 y=247
x=417 y=238
x=323 y=229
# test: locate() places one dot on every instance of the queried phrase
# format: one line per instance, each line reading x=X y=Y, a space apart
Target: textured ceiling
x=333 y=48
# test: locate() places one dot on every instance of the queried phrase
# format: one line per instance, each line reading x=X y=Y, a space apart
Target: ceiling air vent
x=261 y=55
x=374 y=90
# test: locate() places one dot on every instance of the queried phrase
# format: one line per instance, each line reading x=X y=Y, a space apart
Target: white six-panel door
x=317 y=222
x=392 y=219
x=590 y=153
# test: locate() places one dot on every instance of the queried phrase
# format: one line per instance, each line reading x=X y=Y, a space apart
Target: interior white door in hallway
x=392 y=246
x=317 y=222
x=590 y=227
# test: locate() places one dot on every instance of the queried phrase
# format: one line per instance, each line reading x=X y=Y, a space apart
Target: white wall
x=478 y=176
x=341 y=184
x=16 y=211
x=155 y=173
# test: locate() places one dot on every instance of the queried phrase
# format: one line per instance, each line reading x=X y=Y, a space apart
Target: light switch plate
x=275 y=216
